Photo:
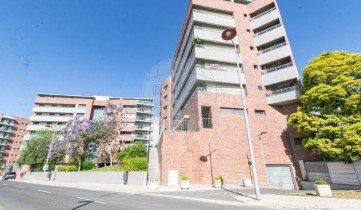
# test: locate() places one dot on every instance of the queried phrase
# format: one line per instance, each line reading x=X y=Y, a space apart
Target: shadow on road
x=238 y=193
x=85 y=203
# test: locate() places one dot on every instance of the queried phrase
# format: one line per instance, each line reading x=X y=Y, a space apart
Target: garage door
x=280 y=176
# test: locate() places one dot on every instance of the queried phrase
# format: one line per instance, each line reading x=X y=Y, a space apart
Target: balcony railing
x=148 y=111
x=283 y=90
x=283 y=66
x=219 y=68
x=181 y=125
x=267 y=30
x=263 y=13
x=143 y=102
x=272 y=48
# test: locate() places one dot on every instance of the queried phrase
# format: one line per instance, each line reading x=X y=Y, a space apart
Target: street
x=18 y=196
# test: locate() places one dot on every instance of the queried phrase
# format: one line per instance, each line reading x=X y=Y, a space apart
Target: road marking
x=5 y=184
x=91 y=200
x=20 y=187
x=83 y=198
x=44 y=191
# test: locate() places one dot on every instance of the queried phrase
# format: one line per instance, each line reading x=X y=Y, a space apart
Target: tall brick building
x=207 y=135
x=12 y=132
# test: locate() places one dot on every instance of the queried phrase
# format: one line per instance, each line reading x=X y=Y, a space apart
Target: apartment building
x=12 y=132
x=207 y=135
x=56 y=110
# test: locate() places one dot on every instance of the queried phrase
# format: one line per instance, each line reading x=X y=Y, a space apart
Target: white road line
x=44 y=191
x=83 y=198
x=20 y=187
x=91 y=200
x=100 y=202
x=5 y=184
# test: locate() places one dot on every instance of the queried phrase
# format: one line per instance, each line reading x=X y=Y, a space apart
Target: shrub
x=136 y=150
x=68 y=168
x=320 y=181
x=219 y=178
x=87 y=165
x=135 y=164
x=185 y=177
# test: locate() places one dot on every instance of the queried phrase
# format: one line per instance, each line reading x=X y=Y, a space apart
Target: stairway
x=153 y=166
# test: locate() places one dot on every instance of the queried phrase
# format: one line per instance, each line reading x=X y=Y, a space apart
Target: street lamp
x=264 y=160
x=229 y=35
x=48 y=157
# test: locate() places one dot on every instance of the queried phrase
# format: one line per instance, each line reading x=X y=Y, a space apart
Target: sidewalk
x=232 y=195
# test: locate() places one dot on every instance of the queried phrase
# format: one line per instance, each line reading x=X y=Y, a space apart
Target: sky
x=115 y=47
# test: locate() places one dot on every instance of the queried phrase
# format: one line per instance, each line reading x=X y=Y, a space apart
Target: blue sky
x=89 y=47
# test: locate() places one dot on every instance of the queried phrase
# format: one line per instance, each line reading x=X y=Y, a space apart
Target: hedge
x=67 y=168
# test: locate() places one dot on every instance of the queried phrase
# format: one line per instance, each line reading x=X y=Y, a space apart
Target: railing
x=2 y=150
x=267 y=30
x=216 y=48
x=219 y=68
x=214 y=14
x=207 y=123
x=263 y=13
x=144 y=111
x=283 y=90
x=3 y=143
x=145 y=102
x=5 y=129
x=209 y=29
x=283 y=66
x=272 y=48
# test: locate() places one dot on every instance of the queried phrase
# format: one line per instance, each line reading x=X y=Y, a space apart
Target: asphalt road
x=21 y=196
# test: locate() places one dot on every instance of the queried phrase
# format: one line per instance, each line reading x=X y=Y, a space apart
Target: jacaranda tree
x=330 y=114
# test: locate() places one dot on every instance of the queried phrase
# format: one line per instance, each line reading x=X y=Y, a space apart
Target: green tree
x=330 y=112
x=134 y=151
x=35 y=152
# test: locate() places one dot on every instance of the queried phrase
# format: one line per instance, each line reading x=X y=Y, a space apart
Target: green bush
x=68 y=168
x=87 y=165
x=320 y=181
x=135 y=164
x=185 y=177
x=136 y=150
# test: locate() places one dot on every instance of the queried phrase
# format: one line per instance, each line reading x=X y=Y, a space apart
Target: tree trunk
x=79 y=165
x=111 y=159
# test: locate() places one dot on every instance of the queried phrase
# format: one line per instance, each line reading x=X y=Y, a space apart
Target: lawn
x=114 y=168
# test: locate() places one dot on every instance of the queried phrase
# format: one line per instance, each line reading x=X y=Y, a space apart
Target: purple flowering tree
x=75 y=138
x=109 y=138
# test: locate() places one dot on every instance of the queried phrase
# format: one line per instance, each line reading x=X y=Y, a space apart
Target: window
x=260 y=112
x=251 y=48
x=255 y=66
x=81 y=106
x=165 y=108
x=165 y=97
x=165 y=88
x=298 y=140
x=51 y=114
x=245 y=15
x=37 y=114
x=248 y=30
x=35 y=123
x=54 y=105
x=232 y=110
x=206 y=117
x=260 y=87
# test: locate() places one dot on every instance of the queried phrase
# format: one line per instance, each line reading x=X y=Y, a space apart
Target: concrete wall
x=134 y=178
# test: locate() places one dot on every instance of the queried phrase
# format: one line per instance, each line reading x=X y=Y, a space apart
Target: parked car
x=9 y=175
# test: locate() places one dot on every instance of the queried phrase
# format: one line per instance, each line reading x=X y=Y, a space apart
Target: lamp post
x=48 y=156
x=264 y=160
x=229 y=35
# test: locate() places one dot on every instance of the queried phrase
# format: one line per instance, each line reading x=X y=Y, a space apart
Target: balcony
x=279 y=74
x=6 y=130
x=27 y=137
x=42 y=109
x=216 y=54
x=274 y=53
x=284 y=96
x=50 y=118
x=127 y=137
x=145 y=103
x=39 y=127
x=264 y=18
x=2 y=150
x=142 y=119
x=147 y=129
x=143 y=138
x=212 y=35
x=3 y=143
x=5 y=122
x=213 y=18
x=144 y=111
x=269 y=35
